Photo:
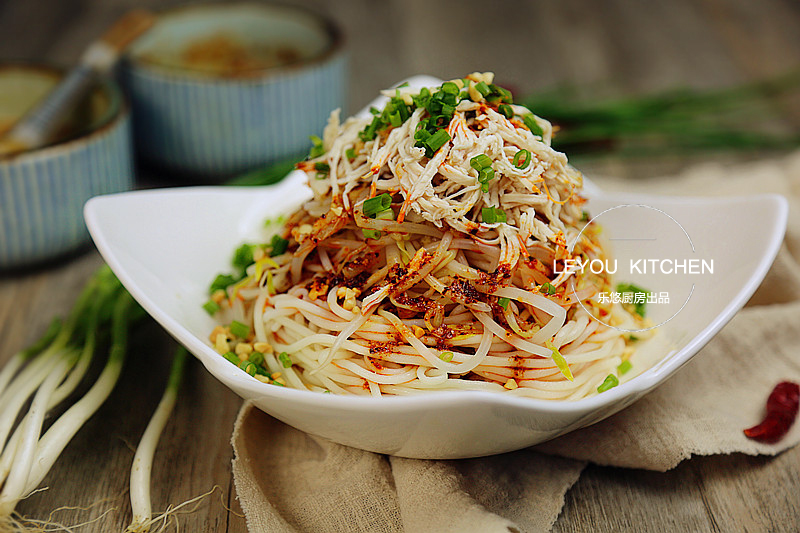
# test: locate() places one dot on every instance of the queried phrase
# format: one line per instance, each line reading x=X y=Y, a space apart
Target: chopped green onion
x=317 y=149
x=248 y=367
x=504 y=94
x=532 y=125
x=610 y=382
x=243 y=257
x=373 y=206
x=548 y=289
x=482 y=88
x=322 y=170
x=256 y=358
x=624 y=367
x=584 y=216
x=371 y=234
x=436 y=141
x=221 y=282
x=240 y=330
x=485 y=174
x=506 y=110
x=446 y=356
x=211 y=307
x=449 y=87
x=350 y=153
x=278 y=383
x=493 y=215
x=371 y=131
x=285 y=360
x=230 y=356
x=522 y=159
x=421 y=135
x=641 y=307
x=503 y=302
x=386 y=214
x=561 y=363
x=479 y=162
x=279 y=245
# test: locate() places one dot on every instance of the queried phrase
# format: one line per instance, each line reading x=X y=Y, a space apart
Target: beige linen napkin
x=288 y=481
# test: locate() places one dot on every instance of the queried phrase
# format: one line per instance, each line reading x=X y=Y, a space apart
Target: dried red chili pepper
x=782 y=407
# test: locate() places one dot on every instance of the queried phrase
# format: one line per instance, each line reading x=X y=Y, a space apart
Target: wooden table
x=623 y=46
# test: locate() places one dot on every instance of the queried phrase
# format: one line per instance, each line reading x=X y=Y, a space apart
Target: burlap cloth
x=288 y=481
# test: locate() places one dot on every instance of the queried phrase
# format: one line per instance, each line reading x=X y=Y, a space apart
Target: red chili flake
x=782 y=407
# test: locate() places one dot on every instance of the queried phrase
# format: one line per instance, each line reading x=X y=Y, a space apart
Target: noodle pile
x=425 y=260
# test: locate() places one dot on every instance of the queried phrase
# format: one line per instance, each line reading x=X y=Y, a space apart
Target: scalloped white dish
x=167 y=245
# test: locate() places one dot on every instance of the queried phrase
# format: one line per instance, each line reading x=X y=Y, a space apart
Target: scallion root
x=43 y=376
x=143 y=459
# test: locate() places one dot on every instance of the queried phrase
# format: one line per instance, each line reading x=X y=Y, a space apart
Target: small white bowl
x=184 y=237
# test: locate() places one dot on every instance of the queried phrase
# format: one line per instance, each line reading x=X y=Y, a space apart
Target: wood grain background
x=616 y=47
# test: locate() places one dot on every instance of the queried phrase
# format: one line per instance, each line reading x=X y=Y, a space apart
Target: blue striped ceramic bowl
x=42 y=192
x=220 y=89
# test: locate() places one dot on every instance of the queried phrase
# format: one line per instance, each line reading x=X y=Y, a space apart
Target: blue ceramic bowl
x=42 y=192
x=221 y=89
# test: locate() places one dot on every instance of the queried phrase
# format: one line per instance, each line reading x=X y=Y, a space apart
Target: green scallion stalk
x=285 y=359
x=145 y=451
x=624 y=367
x=482 y=88
x=373 y=206
x=239 y=329
x=256 y=358
x=548 y=288
x=221 y=282
x=506 y=110
x=522 y=159
x=532 y=125
x=386 y=214
x=211 y=307
x=64 y=428
x=436 y=141
x=479 y=162
x=279 y=246
x=493 y=215
x=503 y=302
x=317 y=149
x=610 y=382
x=248 y=367
x=485 y=175
x=641 y=307
x=371 y=233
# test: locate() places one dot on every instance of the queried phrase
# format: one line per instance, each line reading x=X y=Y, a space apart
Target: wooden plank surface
x=617 y=46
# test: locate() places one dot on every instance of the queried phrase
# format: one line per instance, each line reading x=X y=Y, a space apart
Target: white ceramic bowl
x=184 y=237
